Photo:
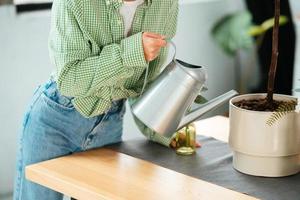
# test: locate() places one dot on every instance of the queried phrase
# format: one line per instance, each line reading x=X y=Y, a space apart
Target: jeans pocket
x=35 y=97
x=54 y=103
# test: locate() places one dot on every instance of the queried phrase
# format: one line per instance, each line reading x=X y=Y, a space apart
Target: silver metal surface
x=212 y=104
x=162 y=107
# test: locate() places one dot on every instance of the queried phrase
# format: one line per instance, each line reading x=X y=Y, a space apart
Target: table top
x=107 y=174
x=216 y=127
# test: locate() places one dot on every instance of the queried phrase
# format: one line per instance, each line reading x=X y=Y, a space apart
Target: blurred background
x=211 y=33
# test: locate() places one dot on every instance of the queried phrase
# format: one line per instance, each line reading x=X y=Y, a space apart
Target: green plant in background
x=200 y=99
x=265 y=26
x=231 y=32
x=236 y=31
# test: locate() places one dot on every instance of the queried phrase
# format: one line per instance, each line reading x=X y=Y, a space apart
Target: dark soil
x=258 y=104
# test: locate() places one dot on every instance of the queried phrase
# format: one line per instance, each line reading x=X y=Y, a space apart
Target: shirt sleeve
x=171 y=25
x=81 y=71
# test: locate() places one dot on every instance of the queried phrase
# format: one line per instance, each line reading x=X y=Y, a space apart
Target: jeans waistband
x=51 y=91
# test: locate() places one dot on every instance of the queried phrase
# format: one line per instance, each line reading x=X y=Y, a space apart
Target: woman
x=100 y=49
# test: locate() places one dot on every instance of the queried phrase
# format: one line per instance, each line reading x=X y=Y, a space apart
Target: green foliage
x=256 y=30
x=200 y=100
x=232 y=32
x=237 y=31
x=282 y=110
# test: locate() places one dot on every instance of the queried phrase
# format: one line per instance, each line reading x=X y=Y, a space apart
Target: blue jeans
x=53 y=128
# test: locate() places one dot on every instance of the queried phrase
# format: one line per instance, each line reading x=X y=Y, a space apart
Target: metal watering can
x=163 y=106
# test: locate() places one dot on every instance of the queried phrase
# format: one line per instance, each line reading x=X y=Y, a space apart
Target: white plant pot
x=260 y=149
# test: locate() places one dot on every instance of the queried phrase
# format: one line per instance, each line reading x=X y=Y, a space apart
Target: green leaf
x=231 y=32
x=265 y=26
x=200 y=100
x=283 y=109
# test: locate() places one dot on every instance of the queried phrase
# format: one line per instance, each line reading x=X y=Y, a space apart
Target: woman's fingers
x=173 y=144
x=154 y=35
x=152 y=43
x=181 y=139
x=197 y=144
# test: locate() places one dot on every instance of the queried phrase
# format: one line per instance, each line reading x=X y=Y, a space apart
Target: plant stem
x=274 y=58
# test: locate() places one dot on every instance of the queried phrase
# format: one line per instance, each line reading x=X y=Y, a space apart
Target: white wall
x=24 y=63
x=295 y=8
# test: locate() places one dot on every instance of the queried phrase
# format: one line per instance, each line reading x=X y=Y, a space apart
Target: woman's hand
x=181 y=139
x=152 y=43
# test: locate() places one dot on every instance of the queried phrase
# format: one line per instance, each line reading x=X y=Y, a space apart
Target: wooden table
x=106 y=174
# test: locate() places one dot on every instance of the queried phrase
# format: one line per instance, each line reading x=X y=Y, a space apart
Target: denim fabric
x=52 y=128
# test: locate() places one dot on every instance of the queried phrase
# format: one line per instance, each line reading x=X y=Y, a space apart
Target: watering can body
x=163 y=106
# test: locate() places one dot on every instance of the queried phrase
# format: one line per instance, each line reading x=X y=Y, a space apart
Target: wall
x=24 y=63
x=295 y=8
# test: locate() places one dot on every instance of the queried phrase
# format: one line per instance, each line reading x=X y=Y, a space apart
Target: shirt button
x=119 y=22
x=107 y=2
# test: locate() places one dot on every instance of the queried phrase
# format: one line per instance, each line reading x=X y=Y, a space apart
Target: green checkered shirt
x=94 y=61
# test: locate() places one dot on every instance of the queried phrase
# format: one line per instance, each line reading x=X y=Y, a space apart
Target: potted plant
x=265 y=128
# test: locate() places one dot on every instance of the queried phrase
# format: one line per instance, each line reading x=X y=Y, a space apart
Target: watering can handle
x=174 y=46
x=146 y=74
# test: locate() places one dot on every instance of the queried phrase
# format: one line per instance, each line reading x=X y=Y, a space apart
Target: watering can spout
x=204 y=108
